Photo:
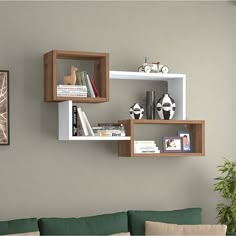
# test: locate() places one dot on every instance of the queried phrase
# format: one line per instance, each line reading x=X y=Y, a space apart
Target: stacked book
x=109 y=129
x=145 y=146
x=71 y=90
x=84 y=87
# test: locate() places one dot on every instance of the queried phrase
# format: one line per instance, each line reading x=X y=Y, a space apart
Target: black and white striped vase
x=166 y=107
x=136 y=111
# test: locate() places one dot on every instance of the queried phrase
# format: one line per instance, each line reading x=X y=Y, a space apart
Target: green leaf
x=225 y=185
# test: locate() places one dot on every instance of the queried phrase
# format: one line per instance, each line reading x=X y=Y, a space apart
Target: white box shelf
x=65 y=126
x=176 y=86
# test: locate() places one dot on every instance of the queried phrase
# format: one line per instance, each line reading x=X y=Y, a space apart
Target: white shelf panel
x=97 y=138
x=65 y=126
x=144 y=76
x=176 y=86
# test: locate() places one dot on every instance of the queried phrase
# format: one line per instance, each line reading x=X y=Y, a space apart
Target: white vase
x=166 y=107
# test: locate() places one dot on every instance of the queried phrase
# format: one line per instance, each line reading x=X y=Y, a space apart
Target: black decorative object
x=166 y=107
x=150 y=105
x=136 y=111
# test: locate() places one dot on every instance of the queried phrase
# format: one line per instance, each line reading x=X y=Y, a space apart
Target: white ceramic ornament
x=136 y=111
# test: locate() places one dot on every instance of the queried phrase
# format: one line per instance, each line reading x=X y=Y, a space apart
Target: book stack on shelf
x=84 y=87
x=145 y=146
x=84 y=79
x=80 y=123
x=71 y=90
x=109 y=130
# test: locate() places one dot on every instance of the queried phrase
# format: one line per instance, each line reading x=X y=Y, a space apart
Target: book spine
x=111 y=128
x=66 y=90
x=94 y=88
x=81 y=117
x=74 y=120
x=109 y=131
x=110 y=134
x=145 y=147
x=110 y=124
x=78 y=78
x=61 y=86
x=91 y=133
x=87 y=83
x=80 y=131
x=70 y=92
x=145 y=142
x=138 y=149
x=90 y=86
x=81 y=74
x=72 y=95
x=155 y=151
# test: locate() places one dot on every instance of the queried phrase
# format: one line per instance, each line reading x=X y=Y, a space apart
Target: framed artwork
x=186 y=140
x=172 y=144
x=4 y=107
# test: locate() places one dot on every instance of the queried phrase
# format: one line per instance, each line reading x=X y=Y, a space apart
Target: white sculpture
x=71 y=79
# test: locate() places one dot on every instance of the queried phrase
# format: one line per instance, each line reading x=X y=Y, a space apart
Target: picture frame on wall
x=172 y=144
x=186 y=137
x=4 y=108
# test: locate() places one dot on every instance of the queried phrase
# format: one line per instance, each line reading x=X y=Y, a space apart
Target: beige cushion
x=26 y=234
x=157 y=228
x=121 y=234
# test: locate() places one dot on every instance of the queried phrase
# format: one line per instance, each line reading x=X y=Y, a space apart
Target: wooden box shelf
x=100 y=68
x=196 y=127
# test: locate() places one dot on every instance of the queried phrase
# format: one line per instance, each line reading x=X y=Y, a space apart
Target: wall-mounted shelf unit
x=100 y=74
x=65 y=126
x=176 y=86
x=196 y=127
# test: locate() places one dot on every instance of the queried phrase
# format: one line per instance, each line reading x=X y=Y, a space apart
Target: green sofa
x=106 y=224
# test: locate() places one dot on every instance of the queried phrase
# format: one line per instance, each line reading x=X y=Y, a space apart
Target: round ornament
x=136 y=111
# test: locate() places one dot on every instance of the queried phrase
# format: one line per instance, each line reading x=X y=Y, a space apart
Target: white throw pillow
x=121 y=234
x=158 y=228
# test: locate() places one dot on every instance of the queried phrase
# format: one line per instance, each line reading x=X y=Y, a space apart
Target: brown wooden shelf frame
x=101 y=75
x=196 y=127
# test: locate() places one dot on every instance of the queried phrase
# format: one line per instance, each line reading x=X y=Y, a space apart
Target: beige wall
x=41 y=176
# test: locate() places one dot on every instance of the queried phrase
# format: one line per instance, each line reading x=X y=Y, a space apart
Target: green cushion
x=93 y=225
x=184 y=216
x=18 y=226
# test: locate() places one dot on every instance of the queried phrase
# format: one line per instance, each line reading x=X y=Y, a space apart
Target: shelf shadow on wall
x=41 y=117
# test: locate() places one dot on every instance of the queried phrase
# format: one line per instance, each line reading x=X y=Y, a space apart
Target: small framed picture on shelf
x=172 y=144
x=186 y=137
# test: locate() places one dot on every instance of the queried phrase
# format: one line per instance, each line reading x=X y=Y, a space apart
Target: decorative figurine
x=136 y=111
x=71 y=79
x=154 y=67
x=166 y=107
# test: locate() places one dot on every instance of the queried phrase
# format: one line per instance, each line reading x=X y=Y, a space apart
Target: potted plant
x=226 y=186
